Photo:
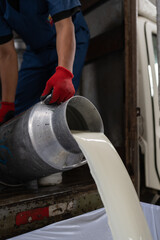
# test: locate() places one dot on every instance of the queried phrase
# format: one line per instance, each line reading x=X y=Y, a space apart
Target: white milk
x=125 y=216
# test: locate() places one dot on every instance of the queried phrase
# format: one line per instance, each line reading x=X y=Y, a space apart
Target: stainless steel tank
x=39 y=142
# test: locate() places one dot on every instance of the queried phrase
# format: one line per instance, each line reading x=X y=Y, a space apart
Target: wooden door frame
x=131 y=111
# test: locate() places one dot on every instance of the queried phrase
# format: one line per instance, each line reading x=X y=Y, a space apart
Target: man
x=54 y=56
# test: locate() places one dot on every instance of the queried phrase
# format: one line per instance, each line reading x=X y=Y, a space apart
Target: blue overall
x=40 y=58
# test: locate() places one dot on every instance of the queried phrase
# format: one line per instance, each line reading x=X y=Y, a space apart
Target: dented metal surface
x=36 y=210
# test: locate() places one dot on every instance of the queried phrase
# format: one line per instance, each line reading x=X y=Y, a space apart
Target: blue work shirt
x=30 y=20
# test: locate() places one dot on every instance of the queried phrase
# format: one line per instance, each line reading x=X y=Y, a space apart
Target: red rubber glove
x=61 y=84
x=7 y=112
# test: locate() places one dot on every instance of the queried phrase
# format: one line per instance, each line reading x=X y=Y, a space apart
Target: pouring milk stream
x=125 y=215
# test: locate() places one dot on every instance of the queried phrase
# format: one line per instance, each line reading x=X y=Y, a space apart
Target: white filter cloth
x=90 y=226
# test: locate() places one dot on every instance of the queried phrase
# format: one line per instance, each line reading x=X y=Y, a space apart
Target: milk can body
x=39 y=142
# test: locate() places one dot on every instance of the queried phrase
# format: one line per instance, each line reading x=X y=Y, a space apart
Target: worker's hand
x=7 y=111
x=60 y=85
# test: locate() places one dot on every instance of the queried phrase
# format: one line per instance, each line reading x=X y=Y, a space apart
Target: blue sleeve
x=57 y=6
x=5 y=31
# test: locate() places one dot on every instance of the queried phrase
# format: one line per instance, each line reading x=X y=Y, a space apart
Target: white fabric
x=152 y=214
x=90 y=226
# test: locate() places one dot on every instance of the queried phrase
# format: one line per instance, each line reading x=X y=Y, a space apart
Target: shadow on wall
x=103 y=76
x=104 y=86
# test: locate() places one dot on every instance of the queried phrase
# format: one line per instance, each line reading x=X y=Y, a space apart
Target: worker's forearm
x=66 y=44
x=9 y=75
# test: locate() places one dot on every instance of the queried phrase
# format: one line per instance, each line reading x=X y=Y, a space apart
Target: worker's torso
x=30 y=19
